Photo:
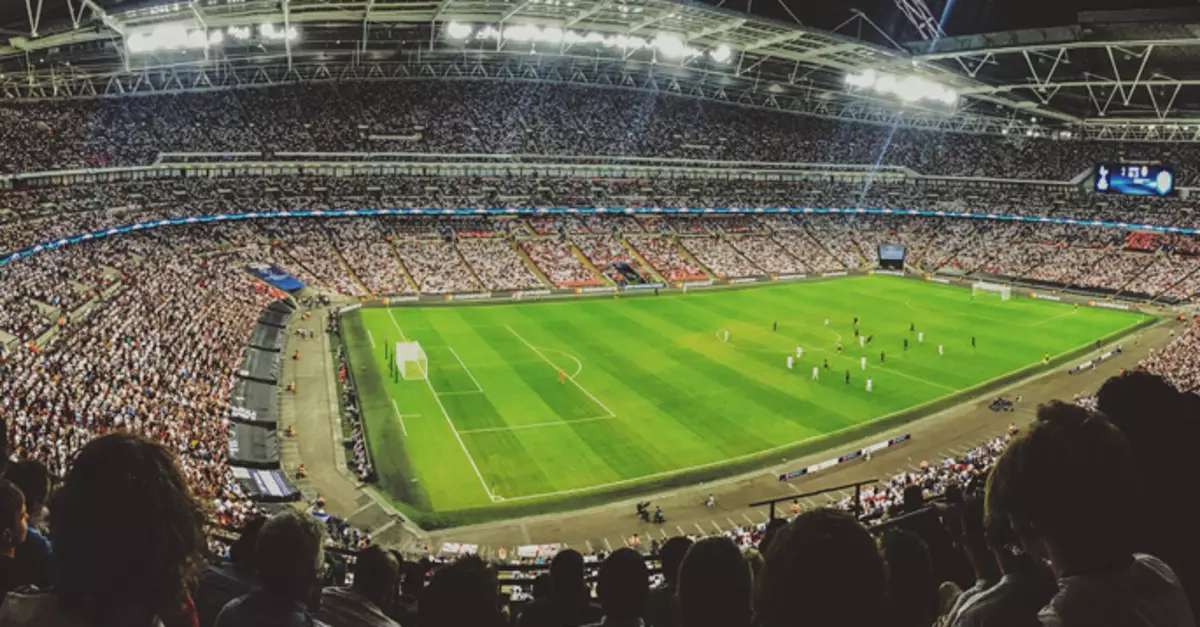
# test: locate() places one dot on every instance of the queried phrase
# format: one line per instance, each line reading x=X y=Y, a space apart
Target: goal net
x=983 y=287
x=411 y=360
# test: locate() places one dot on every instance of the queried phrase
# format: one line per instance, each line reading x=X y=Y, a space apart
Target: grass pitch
x=652 y=392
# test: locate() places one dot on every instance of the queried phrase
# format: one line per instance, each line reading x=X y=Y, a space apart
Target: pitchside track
x=536 y=404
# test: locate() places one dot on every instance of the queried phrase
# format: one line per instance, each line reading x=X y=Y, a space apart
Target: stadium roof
x=1133 y=80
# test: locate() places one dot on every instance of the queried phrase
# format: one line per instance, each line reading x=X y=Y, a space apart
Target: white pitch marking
x=450 y=422
x=717 y=527
x=663 y=532
x=765 y=515
x=748 y=519
x=732 y=525
x=681 y=531
x=588 y=544
x=700 y=529
x=607 y=545
x=794 y=488
x=555 y=423
x=464 y=365
x=400 y=416
x=460 y=393
x=571 y=379
x=371 y=337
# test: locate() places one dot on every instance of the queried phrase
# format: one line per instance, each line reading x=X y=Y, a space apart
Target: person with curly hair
x=128 y=536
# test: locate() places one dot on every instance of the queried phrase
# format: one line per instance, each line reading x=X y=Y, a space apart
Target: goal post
x=983 y=287
x=411 y=361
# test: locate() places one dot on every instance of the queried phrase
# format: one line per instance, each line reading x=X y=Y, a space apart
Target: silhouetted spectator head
x=242 y=550
x=127 y=532
x=13 y=520
x=289 y=554
x=463 y=593
x=913 y=498
x=566 y=574
x=1157 y=419
x=826 y=565
x=376 y=575
x=714 y=585
x=774 y=526
x=672 y=553
x=975 y=540
x=3 y=446
x=1059 y=482
x=623 y=585
x=914 y=591
x=33 y=480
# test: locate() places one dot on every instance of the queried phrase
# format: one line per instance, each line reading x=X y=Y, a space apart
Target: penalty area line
x=396 y=324
x=569 y=378
x=371 y=337
x=536 y=425
x=478 y=388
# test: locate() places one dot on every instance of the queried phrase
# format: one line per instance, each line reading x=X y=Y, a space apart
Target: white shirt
x=1144 y=594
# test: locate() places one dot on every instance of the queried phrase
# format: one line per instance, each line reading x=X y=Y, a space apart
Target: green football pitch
x=652 y=391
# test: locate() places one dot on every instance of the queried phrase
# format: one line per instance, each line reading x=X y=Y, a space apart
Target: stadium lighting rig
x=908 y=89
x=167 y=37
x=669 y=45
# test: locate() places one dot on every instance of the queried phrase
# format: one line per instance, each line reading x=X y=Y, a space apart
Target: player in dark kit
x=972 y=341
x=847 y=377
x=870 y=337
x=912 y=326
x=775 y=327
x=855 y=320
x=882 y=357
x=905 y=343
x=827 y=364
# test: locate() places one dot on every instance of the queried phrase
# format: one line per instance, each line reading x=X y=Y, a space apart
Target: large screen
x=891 y=252
x=1136 y=179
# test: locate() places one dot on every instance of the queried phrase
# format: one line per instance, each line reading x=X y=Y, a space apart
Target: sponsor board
x=244 y=414
x=523 y=294
x=473 y=296
x=1057 y=299
x=939 y=280
x=350 y=308
x=889 y=272
x=743 y=280
x=594 y=290
x=687 y=284
x=834 y=274
x=787 y=476
x=644 y=286
x=786 y=277
x=1108 y=305
x=401 y=299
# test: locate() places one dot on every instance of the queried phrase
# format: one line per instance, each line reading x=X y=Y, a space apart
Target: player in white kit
x=799 y=352
x=864 y=363
x=816 y=373
x=862 y=341
x=941 y=350
x=920 y=336
x=868 y=384
x=726 y=335
x=789 y=362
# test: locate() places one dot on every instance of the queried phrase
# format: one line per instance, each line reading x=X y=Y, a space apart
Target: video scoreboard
x=1138 y=179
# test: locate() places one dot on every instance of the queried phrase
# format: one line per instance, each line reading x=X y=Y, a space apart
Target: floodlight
x=721 y=53
x=215 y=38
x=458 y=30
x=670 y=45
x=267 y=30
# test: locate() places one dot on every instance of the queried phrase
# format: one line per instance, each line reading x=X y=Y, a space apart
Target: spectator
x=364 y=604
x=975 y=545
x=914 y=593
x=33 y=556
x=568 y=605
x=463 y=593
x=1163 y=429
x=13 y=525
x=1025 y=587
x=288 y=555
x=623 y=587
x=823 y=569
x=662 y=608
x=218 y=585
x=1049 y=483
x=714 y=585
x=127 y=537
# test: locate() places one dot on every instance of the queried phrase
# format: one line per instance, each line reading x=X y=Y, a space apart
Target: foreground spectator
x=288 y=555
x=1163 y=429
x=463 y=593
x=127 y=536
x=662 y=609
x=823 y=569
x=975 y=545
x=914 y=592
x=623 y=587
x=12 y=535
x=1057 y=483
x=376 y=581
x=568 y=604
x=714 y=585
x=33 y=555
x=221 y=584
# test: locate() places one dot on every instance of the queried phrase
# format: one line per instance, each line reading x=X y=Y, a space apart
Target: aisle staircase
x=633 y=252
x=1142 y=270
x=349 y=269
x=687 y=254
x=530 y=264
x=813 y=236
x=400 y=262
x=462 y=258
x=587 y=263
x=1178 y=282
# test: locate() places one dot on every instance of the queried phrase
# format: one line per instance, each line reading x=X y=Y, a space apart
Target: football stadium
x=473 y=313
